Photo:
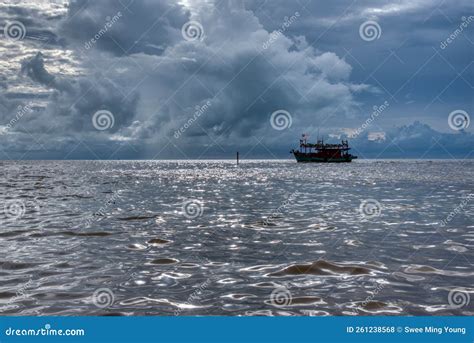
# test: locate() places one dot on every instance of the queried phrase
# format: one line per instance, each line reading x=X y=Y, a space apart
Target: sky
x=202 y=79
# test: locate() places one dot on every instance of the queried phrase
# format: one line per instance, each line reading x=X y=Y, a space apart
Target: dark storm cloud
x=74 y=102
x=34 y=68
x=427 y=81
x=142 y=26
x=401 y=61
x=40 y=26
x=243 y=81
x=253 y=58
x=414 y=141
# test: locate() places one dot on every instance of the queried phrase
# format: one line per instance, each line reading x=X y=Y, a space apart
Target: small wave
x=137 y=217
x=164 y=261
x=136 y=246
x=322 y=268
x=7 y=295
x=239 y=296
x=300 y=301
x=416 y=268
x=85 y=234
x=146 y=300
x=9 y=265
x=12 y=233
x=377 y=307
x=158 y=241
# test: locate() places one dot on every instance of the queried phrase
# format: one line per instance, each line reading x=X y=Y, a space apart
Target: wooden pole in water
x=237 y=158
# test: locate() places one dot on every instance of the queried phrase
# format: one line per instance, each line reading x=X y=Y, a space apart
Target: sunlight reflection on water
x=73 y=227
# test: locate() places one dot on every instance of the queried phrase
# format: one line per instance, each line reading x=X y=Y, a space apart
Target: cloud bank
x=217 y=82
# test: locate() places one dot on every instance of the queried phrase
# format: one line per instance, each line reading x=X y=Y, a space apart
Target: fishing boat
x=323 y=153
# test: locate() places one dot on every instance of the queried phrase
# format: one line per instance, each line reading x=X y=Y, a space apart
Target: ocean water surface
x=373 y=237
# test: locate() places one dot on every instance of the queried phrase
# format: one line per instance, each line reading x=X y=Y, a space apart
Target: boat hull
x=310 y=158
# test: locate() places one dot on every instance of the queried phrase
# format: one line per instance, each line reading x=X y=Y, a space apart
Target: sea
x=262 y=238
